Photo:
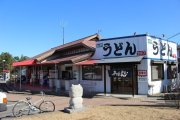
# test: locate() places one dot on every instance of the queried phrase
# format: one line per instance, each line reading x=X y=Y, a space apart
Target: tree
x=6 y=61
x=23 y=58
x=18 y=59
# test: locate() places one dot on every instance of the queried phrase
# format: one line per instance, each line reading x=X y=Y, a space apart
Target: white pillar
x=20 y=79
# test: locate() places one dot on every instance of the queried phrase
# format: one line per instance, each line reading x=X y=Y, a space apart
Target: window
x=157 y=71
x=91 y=72
x=171 y=71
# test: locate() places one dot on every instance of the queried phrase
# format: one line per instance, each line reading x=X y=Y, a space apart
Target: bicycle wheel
x=47 y=106
x=21 y=108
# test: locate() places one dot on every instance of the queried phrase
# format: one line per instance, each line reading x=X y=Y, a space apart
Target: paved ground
x=61 y=101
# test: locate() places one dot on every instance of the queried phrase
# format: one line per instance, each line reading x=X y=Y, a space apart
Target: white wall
x=160 y=45
x=143 y=80
x=88 y=85
x=108 y=80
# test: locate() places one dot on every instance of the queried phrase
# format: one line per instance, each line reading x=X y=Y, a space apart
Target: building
x=138 y=64
x=55 y=68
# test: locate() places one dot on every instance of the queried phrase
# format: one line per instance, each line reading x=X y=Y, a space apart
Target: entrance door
x=122 y=79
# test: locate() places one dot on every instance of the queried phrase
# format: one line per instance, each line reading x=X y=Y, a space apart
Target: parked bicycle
x=24 y=107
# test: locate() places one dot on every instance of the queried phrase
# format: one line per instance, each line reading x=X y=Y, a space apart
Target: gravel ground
x=104 y=108
x=112 y=113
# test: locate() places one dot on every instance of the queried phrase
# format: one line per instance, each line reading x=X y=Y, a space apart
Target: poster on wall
x=142 y=75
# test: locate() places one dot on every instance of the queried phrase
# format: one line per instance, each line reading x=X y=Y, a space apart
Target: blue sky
x=30 y=27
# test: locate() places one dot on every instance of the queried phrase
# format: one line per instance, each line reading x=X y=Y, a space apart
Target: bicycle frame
x=24 y=107
x=33 y=105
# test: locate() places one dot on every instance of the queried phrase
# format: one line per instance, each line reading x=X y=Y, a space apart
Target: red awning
x=24 y=63
x=86 y=62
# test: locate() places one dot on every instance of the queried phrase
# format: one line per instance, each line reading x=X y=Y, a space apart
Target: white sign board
x=146 y=46
x=120 y=47
x=161 y=49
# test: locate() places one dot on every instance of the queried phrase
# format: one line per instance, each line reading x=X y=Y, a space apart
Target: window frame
x=170 y=65
x=92 y=68
x=162 y=68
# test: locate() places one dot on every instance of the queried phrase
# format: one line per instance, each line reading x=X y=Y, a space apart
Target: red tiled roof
x=74 y=59
x=86 y=62
x=89 y=41
x=44 y=55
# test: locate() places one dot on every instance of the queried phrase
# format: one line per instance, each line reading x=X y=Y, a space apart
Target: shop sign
x=142 y=75
x=141 y=53
x=120 y=73
x=142 y=78
x=142 y=72
x=120 y=48
x=162 y=49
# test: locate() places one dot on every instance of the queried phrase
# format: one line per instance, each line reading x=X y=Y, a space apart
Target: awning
x=86 y=62
x=73 y=59
x=157 y=61
x=171 y=62
x=136 y=59
x=24 y=63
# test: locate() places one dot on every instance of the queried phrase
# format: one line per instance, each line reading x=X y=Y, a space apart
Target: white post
x=55 y=71
x=20 y=79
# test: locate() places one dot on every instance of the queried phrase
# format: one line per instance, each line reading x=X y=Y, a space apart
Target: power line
x=174 y=35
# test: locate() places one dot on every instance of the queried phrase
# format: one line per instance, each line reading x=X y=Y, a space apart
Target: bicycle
x=24 y=107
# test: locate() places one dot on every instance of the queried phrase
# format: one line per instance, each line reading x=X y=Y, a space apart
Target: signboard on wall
x=147 y=46
x=121 y=47
x=120 y=73
x=161 y=49
x=142 y=75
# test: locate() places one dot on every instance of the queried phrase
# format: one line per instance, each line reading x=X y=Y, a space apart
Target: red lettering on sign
x=142 y=72
x=141 y=53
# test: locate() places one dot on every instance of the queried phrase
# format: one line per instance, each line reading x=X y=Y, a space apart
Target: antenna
x=163 y=35
x=62 y=24
x=99 y=30
x=63 y=34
